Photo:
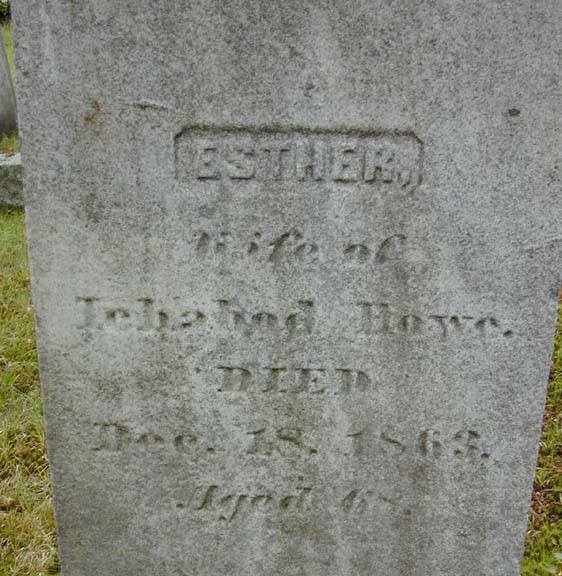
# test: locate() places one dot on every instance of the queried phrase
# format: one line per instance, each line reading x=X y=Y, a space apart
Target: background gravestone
x=8 y=119
x=295 y=270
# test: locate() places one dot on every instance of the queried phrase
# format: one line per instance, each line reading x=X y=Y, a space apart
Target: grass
x=9 y=143
x=27 y=539
x=543 y=549
x=27 y=536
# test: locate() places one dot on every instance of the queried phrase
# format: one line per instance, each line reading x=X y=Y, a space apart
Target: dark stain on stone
x=92 y=118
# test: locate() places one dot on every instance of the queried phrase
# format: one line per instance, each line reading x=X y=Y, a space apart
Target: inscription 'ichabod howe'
x=386 y=161
x=292 y=319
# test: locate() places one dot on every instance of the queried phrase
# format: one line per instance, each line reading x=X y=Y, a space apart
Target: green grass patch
x=9 y=143
x=543 y=549
x=27 y=534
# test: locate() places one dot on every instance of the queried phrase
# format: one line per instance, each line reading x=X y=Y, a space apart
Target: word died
x=283 y=380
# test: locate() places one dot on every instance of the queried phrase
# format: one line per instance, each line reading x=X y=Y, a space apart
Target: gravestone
x=8 y=119
x=295 y=269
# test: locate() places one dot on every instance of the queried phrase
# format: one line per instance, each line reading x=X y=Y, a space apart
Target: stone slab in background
x=295 y=268
x=8 y=115
x=10 y=180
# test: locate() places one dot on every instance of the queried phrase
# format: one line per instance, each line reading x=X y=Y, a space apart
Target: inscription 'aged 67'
x=385 y=161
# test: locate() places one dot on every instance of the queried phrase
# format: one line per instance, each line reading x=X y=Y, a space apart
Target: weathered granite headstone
x=295 y=269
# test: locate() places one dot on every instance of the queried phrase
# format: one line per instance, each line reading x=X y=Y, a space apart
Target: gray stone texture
x=10 y=180
x=295 y=267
